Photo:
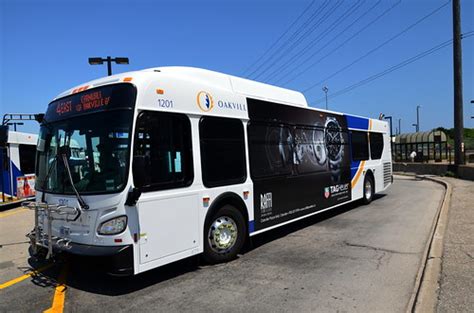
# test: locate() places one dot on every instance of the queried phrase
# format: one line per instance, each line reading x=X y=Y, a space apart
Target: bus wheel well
x=371 y=175
x=228 y=198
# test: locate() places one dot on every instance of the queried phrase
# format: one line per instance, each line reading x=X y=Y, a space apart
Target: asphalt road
x=353 y=259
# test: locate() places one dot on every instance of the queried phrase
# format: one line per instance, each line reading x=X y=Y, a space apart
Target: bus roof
x=242 y=86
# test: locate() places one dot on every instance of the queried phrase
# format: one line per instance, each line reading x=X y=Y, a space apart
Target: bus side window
x=222 y=151
x=359 y=146
x=27 y=158
x=376 y=145
x=164 y=139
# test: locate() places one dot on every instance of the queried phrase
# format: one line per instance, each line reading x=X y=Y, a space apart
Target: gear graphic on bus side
x=277 y=136
x=334 y=145
x=304 y=148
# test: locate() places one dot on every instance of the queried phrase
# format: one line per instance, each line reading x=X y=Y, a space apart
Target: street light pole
x=399 y=126
x=109 y=66
x=457 y=67
x=326 y=89
x=15 y=124
x=109 y=60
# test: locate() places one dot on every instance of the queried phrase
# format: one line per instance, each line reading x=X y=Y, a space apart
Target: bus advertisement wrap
x=300 y=161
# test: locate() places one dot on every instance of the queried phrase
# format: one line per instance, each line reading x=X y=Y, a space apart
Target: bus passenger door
x=163 y=169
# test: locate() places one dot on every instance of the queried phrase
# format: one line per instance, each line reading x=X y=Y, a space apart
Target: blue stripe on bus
x=357 y=122
x=5 y=184
x=251 y=226
x=354 y=168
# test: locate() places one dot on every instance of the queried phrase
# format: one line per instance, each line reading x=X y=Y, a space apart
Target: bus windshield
x=93 y=131
x=98 y=153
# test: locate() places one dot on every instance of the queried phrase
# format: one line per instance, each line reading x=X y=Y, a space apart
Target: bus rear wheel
x=368 y=190
x=224 y=235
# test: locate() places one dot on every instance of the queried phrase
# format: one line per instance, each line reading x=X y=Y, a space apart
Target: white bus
x=175 y=161
x=17 y=163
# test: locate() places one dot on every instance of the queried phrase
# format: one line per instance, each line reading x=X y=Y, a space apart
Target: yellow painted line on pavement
x=59 y=293
x=23 y=277
x=11 y=212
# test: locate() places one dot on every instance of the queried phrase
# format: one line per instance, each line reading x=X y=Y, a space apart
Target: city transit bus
x=172 y=162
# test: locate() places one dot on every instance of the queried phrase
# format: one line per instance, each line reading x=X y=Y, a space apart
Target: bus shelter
x=430 y=145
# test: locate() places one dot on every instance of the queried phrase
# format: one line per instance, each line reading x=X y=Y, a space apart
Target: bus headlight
x=113 y=226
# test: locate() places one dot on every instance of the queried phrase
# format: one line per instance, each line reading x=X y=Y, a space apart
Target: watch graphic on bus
x=334 y=142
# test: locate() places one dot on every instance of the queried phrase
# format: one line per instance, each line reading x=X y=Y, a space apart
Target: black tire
x=230 y=219
x=368 y=192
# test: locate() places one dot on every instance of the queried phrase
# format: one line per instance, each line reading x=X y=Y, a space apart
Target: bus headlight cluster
x=113 y=226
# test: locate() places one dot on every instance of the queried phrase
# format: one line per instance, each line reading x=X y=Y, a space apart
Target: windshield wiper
x=45 y=181
x=64 y=155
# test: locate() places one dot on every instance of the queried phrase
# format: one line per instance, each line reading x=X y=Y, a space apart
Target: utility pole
x=418 y=118
x=399 y=126
x=457 y=67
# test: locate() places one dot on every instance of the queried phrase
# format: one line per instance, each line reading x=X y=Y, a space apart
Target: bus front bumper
x=118 y=259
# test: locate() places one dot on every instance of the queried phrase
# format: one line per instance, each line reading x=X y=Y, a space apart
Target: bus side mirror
x=133 y=196
x=139 y=171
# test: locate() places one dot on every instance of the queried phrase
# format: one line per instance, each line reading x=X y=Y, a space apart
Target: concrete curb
x=425 y=294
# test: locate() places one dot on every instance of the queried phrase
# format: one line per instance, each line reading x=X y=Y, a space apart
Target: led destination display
x=117 y=96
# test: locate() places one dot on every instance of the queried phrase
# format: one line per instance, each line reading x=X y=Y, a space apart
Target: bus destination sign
x=90 y=101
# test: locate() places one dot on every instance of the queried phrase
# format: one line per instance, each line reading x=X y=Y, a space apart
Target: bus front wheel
x=224 y=235
x=368 y=189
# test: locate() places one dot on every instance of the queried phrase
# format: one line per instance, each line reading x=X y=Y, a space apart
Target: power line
x=344 y=42
x=281 y=37
x=308 y=32
x=351 y=10
x=290 y=62
x=378 y=47
x=302 y=37
x=295 y=34
x=389 y=70
x=393 y=68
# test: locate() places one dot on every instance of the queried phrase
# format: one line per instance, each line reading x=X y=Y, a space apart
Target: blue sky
x=45 y=46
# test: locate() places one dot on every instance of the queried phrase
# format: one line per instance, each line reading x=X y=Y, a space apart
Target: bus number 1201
x=162 y=103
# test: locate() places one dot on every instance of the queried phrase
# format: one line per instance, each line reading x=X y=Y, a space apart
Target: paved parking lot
x=353 y=259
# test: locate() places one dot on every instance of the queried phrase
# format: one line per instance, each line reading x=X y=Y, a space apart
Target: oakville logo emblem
x=205 y=101
x=327 y=193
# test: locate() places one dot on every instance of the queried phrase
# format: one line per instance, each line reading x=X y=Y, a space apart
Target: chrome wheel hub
x=222 y=234
x=368 y=189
